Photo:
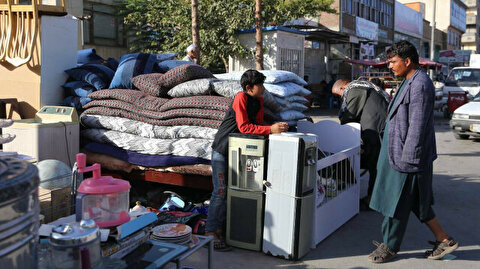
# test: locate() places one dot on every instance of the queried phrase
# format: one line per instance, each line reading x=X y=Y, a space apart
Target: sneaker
x=382 y=254
x=440 y=249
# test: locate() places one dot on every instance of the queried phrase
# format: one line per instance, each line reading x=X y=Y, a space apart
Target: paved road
x=457 y=202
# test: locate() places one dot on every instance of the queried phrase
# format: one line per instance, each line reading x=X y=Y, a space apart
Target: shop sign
x=408 y=21
x=367 y=29
x=366 y=49
x=454 y=56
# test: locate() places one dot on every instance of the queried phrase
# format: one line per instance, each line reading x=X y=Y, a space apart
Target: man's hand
x=279 y=127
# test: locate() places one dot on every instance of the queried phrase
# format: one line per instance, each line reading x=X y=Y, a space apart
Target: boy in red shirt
x=245 y=115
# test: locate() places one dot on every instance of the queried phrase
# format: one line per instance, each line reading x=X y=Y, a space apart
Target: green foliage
x=165 y=25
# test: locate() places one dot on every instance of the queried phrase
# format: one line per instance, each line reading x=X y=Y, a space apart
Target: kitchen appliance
x=245 y=196
x=75 y=245
x=102 y=198
x=54 y=133
x=289 y=198
x=19 y=213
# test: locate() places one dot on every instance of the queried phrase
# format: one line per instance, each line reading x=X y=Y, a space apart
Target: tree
x=166 y=25
x=195 y=34
x=258 y=35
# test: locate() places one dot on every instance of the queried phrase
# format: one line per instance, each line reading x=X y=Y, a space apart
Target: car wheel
x=460 y=136
x=446 y=114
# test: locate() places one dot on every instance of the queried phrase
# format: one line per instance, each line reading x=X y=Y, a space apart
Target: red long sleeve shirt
x=245 y=115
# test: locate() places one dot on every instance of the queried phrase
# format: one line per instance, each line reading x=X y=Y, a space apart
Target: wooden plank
x=190 y=181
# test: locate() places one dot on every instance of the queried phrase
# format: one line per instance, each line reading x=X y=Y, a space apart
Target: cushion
x=272 y=76
x=166 y=65
x=97 y=75
x=295 y=106
x=201 y=86
x=76 y=102
x=78 y=88
x=284 y=89
x=184 y=73
x=132 y=65
x=206 y=102
x=112 y=63
x=292 y=98
x=270 y=102
x=289 y=115
x=88 y=56
x=227 y=88
x=166 y=56
x=150 y=84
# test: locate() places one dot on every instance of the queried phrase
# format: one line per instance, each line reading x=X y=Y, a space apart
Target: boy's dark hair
x=403 y=49
x=251 y=77
x=377 y=82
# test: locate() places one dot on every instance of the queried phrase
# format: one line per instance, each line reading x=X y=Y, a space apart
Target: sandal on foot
x=219 y=245
x=440 y=249
x=382 y=254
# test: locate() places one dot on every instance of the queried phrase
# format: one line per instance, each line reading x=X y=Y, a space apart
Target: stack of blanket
x=160 y=113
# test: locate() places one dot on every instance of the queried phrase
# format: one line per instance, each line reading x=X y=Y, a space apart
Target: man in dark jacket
x=365 y=103
x=405 y=163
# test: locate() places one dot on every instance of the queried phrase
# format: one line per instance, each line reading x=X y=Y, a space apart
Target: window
x=104 y=27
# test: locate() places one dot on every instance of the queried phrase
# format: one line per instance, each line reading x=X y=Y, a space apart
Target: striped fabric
x=132 y=65
x=203 y=102
x=137 y=98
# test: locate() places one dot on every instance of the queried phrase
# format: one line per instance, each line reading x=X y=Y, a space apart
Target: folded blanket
x=107 y=111
x=205 y=102
x=147 y=160
x=137 y=98
x=170 y=114
x=147 y=130
x=191 y=147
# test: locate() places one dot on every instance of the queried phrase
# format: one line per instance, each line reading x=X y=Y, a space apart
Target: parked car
x=465 y=121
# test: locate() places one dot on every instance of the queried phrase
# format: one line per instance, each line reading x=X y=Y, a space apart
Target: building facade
x=450 y=17
x=470 y=39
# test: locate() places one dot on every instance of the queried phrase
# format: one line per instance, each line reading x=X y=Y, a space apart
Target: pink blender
x=102 y=198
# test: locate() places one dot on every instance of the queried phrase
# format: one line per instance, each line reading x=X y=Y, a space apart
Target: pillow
x=184 y=73
x=166 y=56
x=150 y=84
x=165 y=66
x=132 y=65
x=78 y=88
x=304 y=92
x=112 y=63
x=289 y=115
x=284 y=89
x=206 y=102
x=270 y=102
x=76 y=102
x=88 y=56
x=295 y=106
x=97 y=75
x=227 y=88
x=201 y=86
x=272 y=76
x=292 y=98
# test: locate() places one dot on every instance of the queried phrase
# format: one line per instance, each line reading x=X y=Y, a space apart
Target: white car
x=465 y=121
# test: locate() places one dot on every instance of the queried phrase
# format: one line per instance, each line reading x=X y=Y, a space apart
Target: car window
x=465 y=75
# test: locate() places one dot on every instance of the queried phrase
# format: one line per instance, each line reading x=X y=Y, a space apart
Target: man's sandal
x=382 y=254
x=440 y=249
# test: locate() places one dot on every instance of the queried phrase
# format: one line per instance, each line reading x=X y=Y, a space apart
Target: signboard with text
x=454 y=56
x=408 y=21
x=365 y=28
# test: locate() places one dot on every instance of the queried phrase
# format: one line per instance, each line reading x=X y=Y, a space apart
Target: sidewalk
x=456 y=188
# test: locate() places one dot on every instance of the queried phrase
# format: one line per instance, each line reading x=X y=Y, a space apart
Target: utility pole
x=258 y=35
x=195 y=34
x=432 y=41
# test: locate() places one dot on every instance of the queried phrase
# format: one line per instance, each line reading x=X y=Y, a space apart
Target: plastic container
x=75 y=245
x=102 y=198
